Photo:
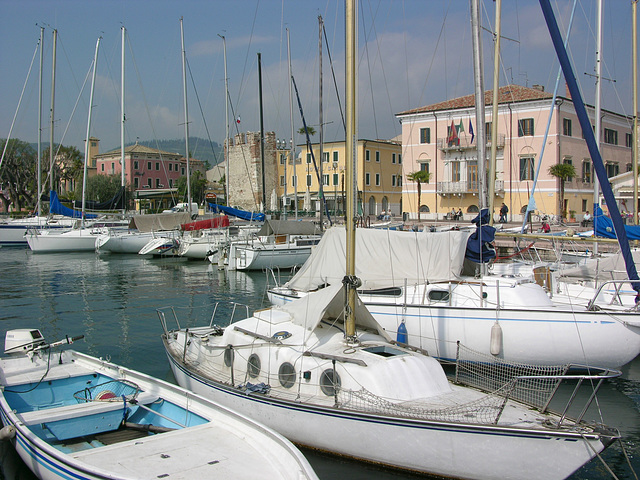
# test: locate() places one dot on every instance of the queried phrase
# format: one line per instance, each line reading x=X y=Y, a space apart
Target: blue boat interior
x=91 y=411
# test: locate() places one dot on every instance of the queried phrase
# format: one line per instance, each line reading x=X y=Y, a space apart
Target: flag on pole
x=453 y=135
x=238 y=120
x=460 y=128
x=471 y=131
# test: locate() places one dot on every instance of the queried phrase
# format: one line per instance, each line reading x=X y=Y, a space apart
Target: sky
x=411 y=53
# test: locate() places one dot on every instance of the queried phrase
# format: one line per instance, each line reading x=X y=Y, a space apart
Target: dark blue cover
x=479 y=245
x=603 y=227
x=55 y=206
x=258 y=217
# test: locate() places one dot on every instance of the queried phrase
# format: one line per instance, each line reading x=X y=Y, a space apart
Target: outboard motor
x=21 y=341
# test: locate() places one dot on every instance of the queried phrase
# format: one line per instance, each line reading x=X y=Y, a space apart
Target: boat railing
x=168 y=314
x=535 y=385
x=616 y=296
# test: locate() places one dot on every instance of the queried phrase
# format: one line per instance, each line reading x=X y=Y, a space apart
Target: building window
x=367 y=155
x=377 y=156
x=158 y=166
x=628 y=140
x=393 y=158
x=586 y=171
x=135 y=165
x=325 y=180
x=309 y=157
x=157 y=183
x=400 y=180
x=425 y=135
x=335 y=157
x=308 y=180
x=93 y=144
x=425 y=168
x=526 y=168
x=455 y=171
x=568 y=161
x=176 y=168
x=399 y=159
x=171 y=167
x=282 y=180
x=294 y=181
x=325 y=157
x=610 y=136
x=282 y=158
x=629 y=167
x=612 y=169
x=367 y=179
x=335 y=179
x=377 y=179
x=525 y=127
x=171 y=183
x=148 y=165
x=393 y=180
x=102 y=167
x=149 y=180
x=136 y=182
x=182 y=171
x=566 y=127
x=487 y=129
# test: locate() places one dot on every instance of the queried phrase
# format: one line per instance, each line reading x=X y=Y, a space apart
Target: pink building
x=146 y=167
x=440 y=139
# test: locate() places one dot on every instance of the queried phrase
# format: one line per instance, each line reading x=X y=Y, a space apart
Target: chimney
x=538 y=87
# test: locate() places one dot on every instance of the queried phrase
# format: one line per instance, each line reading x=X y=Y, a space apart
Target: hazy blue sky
x=411 y=53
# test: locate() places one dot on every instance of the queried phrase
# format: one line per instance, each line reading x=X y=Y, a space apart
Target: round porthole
x=228 y=355
x=287 y=375
x=253 y=365
x=330 y=382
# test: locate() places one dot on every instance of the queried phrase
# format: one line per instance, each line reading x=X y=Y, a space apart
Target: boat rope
x=518 y=252
x=600 y=458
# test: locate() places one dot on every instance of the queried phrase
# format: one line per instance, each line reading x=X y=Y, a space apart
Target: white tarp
x=328 y=304
x=600 y=269
x=384 y=258
x=154 y=222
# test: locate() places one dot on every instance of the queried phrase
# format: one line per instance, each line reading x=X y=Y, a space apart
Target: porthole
x=330 y=382
x=439 y=295
x=287 y=375
x=229 y=355
x=253 y=365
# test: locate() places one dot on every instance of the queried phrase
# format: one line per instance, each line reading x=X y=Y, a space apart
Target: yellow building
x=379 y=177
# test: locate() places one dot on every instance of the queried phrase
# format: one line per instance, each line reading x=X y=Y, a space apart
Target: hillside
x=199 y=148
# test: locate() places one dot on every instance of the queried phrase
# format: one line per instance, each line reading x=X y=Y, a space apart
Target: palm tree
x=562 y=171
x=420 y=176
x=309 y=129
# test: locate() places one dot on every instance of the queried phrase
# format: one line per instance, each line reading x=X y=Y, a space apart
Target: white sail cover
x=384 y=258
x=154 y=222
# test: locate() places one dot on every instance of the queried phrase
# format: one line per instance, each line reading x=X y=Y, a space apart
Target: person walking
x=503 y=213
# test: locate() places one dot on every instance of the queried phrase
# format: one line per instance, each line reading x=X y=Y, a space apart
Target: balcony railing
x=464 y=143
x=468 y=186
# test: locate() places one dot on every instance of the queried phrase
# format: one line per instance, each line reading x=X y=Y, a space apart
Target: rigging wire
x=204 y=120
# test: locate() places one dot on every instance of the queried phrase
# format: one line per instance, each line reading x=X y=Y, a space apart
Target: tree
x=18 y=176
x=198 y=186
x=562 y=171
x=420 y=176
x=310 y=130
x=68 y=170
x=101 y=188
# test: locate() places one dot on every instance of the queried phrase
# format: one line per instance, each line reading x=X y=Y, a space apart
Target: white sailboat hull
x=259 y=257
x=453 y=450
x=12 y=233
x=77 y=240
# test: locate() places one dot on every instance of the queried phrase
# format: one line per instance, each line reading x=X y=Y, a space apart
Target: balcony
x=464 y=143
x=465 y=187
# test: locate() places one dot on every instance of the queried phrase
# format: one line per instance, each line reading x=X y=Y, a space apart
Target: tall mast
x=86 y=143
x=186 y=115
x=634 y=135
x=40 y=123
x=350 y=143
x=264 y=192
x=52 y=110
x=494 y=116
x=598 y=108
x=481 y=134
x=122 y=116
x=320 y=116
x=226 y=118
x=293 y=148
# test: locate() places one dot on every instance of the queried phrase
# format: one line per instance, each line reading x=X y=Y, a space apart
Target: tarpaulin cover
x=288 y=227
x=604 y=227
x=154 y=222
x=215 y=222
x=56 y=207
x=258 y=217
x=479 y=247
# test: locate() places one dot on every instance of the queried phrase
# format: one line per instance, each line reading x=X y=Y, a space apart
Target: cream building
x=379 y=177
x=438 y=138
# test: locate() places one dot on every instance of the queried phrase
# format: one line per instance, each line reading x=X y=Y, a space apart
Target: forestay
x=384 y=258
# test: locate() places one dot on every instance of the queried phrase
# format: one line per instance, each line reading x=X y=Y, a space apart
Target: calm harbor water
x=112 y=301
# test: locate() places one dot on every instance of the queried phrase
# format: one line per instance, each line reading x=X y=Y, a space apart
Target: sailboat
x=322 y=372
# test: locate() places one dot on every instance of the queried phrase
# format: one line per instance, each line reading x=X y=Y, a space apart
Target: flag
x=238 y=120
x=471 y=131
x=453 y=135
x=460 y=128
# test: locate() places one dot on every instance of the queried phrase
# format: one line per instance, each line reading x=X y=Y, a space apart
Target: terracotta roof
x=507 y=94
x=137 y=148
